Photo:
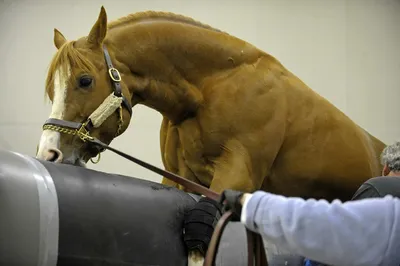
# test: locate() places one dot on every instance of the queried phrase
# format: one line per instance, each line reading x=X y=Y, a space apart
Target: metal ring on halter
x=98 y=159
x=116 y=78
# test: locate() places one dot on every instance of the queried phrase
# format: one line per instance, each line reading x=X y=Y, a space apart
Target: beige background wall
x=348 y=51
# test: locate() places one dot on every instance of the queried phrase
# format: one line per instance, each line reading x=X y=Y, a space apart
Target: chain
x=81 y=132
x=60 y=129
x=121 y=121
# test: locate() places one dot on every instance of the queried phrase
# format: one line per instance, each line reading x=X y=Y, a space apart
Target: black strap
x=127 y=105
x=115 y=80
x=113 y=72
x=68 y=124
x=63 y=123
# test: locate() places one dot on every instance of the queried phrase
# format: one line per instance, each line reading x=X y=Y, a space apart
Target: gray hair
x=391 y=157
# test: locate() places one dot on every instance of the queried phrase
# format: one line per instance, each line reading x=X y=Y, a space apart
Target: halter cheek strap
x=116 y=79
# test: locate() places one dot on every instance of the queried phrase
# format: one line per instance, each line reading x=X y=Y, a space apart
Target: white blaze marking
x=51 y=139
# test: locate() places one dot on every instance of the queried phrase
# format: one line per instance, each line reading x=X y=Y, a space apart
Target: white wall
x=348 y=51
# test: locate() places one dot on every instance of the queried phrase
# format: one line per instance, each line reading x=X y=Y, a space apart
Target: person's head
x=389 y=183
x=390 y=159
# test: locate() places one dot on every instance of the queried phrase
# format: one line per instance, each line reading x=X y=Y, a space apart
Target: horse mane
x=66 y=57
x=145 y=15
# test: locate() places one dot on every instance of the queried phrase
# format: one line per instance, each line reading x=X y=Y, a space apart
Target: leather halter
x=255 y=247
x=82 y=129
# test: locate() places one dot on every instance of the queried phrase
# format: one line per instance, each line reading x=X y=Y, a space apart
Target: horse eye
x=85 y=81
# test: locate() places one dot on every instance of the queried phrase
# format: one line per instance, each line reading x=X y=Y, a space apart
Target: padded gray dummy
x=54 y=214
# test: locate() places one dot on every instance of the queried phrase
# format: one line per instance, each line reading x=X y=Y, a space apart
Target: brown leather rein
x=255 y=246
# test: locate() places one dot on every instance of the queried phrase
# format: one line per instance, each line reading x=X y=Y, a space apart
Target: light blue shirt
x=364 y=232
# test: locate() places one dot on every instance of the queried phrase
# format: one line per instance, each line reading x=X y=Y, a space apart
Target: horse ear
x=59 y=39
x=99 y=29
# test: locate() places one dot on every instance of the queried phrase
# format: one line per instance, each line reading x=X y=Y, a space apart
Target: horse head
x=87 y=95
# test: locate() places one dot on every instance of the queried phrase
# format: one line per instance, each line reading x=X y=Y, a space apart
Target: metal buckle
x=83 y=134
x=110 y=72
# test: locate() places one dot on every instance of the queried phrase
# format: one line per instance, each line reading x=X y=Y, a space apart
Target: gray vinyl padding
x=29 y=213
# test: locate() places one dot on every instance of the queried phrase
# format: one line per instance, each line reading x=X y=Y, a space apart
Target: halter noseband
x=116 y=100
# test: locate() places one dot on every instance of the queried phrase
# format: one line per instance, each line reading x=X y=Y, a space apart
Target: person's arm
x=276 y=254
x=365 y=232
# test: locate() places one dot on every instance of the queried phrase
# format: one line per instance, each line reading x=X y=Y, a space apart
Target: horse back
x=325 y=154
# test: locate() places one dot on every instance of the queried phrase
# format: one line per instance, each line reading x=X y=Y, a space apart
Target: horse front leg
x=232 y=170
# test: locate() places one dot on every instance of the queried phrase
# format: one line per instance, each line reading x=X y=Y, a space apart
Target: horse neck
x=173 y=60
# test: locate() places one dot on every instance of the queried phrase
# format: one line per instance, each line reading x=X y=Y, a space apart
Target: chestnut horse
x=233 y=116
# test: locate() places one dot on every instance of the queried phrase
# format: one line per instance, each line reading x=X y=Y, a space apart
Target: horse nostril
x=55 y=155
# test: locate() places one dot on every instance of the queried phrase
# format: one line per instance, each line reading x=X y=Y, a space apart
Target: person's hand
x=233 y=200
